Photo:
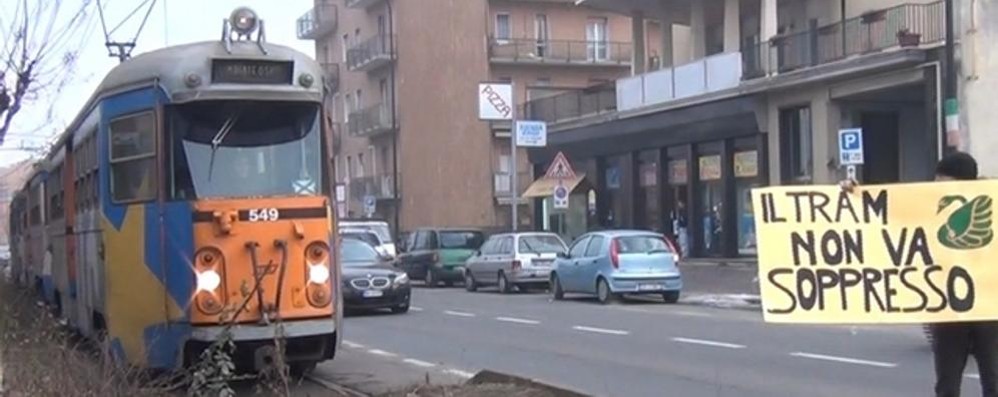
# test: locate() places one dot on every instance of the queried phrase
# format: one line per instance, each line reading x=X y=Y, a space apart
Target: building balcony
x=370 y=122
x=362 y=4
x=574 y=104
x=332 y=75
x=380 y=186
x=908 y=25
x=318 y=22
x=371 y=54
x=560 y=52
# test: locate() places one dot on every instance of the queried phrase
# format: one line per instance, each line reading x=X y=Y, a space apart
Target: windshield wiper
x=529 y=247
x=219 y=137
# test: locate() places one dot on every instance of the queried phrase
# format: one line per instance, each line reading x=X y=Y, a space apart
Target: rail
x=574 y=104
x=560 y=51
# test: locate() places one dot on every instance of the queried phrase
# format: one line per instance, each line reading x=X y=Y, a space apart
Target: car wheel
x=556 y=288
x=504 y=287
x=431 y=278
x=603 y=292
x=671 y=296
x=469 y=282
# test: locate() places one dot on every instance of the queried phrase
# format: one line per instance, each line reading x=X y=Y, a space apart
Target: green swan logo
x=969 y=227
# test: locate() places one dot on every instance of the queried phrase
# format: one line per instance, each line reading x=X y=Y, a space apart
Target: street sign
x=531 y=133
x=560 y=196
x=851 y=146
x=560 y=168
x=495 y=101
x=370 y=205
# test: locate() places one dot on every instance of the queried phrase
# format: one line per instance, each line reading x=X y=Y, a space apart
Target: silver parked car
x=521 y=260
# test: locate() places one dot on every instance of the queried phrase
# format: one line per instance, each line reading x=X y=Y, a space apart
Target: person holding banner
x=952 y=343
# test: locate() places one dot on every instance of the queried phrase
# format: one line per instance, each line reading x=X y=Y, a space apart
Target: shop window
x=133 y=154
x=796 y=145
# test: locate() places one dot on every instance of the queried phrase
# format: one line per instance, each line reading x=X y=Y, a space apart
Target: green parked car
x=438 y=255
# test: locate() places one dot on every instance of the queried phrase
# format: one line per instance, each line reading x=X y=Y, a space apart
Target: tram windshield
x=245 y=149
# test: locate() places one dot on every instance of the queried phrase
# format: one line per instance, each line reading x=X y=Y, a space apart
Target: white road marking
x=419 y=363
x=600 y=330
x=415 y=309
x=459 y=314
x=353 y=345
x=460 y=373
x=708 y=343
x=846 y=360
x=518 y=320
x=692 y=314
x=382 y=353
x=972 y=376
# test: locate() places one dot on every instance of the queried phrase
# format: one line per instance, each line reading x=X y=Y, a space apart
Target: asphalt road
x=628 y=349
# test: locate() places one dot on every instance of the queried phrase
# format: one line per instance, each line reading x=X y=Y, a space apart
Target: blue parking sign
x=851 y=146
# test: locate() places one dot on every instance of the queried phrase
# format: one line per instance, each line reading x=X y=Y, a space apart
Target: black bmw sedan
x=369 y=281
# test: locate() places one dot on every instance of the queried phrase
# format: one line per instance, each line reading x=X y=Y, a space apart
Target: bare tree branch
x=39 y=56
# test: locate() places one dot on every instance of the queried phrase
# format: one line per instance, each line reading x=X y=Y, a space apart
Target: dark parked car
x=369 y=281
x=438 y=255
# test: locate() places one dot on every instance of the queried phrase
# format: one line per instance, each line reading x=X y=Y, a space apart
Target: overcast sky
x=172 y=22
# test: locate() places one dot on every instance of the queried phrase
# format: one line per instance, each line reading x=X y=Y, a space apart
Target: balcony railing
x=711 y=74
x=371 y=121
x=332 y=71
x=560 y=52
x=900 y=26
x=371 y=54
x=574 y=104
x=381 y=186
x=318 y=22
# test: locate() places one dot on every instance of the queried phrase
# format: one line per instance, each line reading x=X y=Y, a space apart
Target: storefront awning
x=544 y=187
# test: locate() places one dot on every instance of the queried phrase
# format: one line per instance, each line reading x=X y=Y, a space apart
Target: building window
x=796 y=144
x=504 y=29
x=597 y=39
x=336 y=166
x=372 y=153
x=541 y=33
x=360 y=165
x=346 y=45
x=359 y=101
x=349 y=164
x=383 y=86
x=347 y=107
x=133 y=152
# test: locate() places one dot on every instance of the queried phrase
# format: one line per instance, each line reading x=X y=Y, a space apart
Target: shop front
x=568 y=222
x=691 y=181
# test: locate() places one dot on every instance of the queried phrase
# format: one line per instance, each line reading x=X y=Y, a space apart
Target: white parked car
x=521 y=260
x=385 y=246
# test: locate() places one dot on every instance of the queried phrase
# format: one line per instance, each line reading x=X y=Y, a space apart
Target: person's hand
x=848 y=185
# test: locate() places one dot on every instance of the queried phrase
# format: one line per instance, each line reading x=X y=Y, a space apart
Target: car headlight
x=318 y=273
x=401 y=279
x=208 y=281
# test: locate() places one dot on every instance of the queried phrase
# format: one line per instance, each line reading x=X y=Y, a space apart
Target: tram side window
x=133 y=152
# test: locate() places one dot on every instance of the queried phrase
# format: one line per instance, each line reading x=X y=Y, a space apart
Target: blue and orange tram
x=190 y=197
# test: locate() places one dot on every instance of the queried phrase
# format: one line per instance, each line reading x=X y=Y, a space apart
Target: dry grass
x=39 y=358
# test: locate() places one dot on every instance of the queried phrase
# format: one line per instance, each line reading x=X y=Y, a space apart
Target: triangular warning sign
x=560 y=168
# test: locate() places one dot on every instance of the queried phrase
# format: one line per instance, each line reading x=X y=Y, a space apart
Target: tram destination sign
x=245 y=71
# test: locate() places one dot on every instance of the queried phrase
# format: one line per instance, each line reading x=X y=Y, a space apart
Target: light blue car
x=614 y=263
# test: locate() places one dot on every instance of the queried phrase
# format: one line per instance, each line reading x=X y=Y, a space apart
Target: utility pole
x=951 y=107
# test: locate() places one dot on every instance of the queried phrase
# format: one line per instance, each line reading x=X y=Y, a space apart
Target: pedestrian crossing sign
x=560 y=168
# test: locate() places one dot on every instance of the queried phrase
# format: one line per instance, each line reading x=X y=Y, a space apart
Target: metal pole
x=951 y=108
x=515 y=193
x=395 y=126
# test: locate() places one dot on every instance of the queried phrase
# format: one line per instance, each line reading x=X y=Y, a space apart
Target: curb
x=719 y=263
x=487 y=376
x=743 y=302
x=336 y=387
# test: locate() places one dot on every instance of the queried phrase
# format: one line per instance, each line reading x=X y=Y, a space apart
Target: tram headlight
x=244 y=21
x=318 y=273
x=209 y=281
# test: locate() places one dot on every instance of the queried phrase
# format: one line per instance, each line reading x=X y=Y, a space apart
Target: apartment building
x=407 y=140
x=740 y=94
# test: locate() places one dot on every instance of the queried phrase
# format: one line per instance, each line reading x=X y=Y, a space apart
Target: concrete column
x=768 y=20
x=668 y=47
x=640 y=60
x=698 y=29
x=732 y=26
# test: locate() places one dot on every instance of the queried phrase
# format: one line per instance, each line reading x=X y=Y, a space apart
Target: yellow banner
x=907 y=253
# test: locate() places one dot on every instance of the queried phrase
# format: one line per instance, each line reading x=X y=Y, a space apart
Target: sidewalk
x=728 y=283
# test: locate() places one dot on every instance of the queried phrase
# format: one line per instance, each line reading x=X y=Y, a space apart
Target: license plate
x=373 y=294
x=649 y=287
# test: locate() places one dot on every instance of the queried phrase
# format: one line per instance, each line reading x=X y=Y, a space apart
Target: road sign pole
x=512 y=157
